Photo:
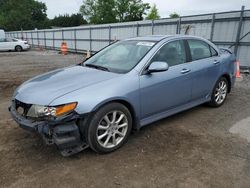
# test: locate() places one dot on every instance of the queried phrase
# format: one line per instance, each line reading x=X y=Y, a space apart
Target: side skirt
x=170 y=112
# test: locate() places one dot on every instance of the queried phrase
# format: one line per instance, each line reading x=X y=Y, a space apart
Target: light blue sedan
x=125 y=86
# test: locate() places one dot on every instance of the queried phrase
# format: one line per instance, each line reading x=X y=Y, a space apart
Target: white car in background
x=12 y=44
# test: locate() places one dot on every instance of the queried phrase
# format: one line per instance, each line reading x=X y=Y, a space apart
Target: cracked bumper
x=63 y=131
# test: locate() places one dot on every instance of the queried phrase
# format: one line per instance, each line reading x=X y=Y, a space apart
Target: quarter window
x=199 y=49
x=173 y=53
x=9 y=40
x=213 y=51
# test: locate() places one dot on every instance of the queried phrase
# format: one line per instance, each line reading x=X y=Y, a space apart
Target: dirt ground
x=191 y=149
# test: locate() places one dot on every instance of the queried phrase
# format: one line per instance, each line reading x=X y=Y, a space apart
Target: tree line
x=31 y=14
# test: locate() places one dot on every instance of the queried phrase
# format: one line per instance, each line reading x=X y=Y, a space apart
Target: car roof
x=157 y=38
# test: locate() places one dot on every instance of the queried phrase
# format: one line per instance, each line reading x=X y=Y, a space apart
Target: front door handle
x=216 y=62
x=184 y=71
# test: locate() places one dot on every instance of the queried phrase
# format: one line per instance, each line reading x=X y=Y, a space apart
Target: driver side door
x=3 y=44
x=161 y=92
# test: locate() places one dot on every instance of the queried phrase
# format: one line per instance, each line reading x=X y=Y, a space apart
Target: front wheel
x=220 y=92
x=109 y=128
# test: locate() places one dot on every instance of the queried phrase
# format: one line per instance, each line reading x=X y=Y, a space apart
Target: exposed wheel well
x=228 y=80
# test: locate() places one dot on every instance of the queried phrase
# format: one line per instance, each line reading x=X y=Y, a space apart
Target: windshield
x=120 y=57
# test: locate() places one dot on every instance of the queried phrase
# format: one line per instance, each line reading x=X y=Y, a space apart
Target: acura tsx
x=121 y=88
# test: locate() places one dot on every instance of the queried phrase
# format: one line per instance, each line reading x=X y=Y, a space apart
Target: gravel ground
x=194 y=148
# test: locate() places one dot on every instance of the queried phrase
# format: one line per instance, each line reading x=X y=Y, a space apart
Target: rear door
x=162 y=91
x=205 y=66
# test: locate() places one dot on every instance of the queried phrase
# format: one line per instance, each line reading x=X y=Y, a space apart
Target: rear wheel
x=220 y=92
x=109 y=128
x=18 y=48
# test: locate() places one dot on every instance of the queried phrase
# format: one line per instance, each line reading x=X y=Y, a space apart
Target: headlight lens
x=56 y=111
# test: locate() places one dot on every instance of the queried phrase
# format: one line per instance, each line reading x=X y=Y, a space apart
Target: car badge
x=20 y=110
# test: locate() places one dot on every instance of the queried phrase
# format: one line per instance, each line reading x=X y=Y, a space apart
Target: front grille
x=21 y=108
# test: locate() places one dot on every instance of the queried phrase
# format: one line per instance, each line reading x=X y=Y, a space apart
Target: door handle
x=184 y=71
x=216 y=62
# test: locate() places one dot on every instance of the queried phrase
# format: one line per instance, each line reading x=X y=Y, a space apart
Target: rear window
x=200 y=49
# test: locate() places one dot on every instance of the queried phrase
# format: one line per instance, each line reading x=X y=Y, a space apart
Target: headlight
x=55 y=111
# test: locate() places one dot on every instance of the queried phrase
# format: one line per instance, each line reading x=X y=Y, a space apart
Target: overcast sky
x=182 y=7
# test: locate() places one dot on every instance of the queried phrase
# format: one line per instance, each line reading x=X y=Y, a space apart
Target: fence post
x=212 y=27
x=53 y=35
x=152 y=27
x=137 y=29
x=239 y=31
x=32 y=38
x=45 y=40
x=75 y=40
x=63 y=35
x=22 y=34
x=109 y=34
x=179 y=30
x=178 y=27
x=38 y=41
x=90 y=40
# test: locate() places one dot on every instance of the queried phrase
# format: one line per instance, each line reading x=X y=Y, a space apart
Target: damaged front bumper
x=63 y=131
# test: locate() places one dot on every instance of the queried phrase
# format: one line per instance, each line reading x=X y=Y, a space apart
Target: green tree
x=135 y=10
x=28 y=14
x=153 y=13
x=121 y=10
x=98 y=11
x=110 y=11
x=67 y=20
x=174 y=15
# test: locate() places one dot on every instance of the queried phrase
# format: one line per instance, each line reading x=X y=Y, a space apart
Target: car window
x=199 y=49
x=122 y=56
x=213 y=51
x=2 y=40
x=9 y=40
x=173 y=53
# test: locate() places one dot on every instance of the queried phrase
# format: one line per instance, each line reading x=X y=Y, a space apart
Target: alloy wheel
x=220 y=92
x=112 y=129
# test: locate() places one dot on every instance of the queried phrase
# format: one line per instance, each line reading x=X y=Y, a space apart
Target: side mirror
x=158 y=66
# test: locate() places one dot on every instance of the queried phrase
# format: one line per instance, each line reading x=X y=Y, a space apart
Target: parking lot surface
x=201 y=147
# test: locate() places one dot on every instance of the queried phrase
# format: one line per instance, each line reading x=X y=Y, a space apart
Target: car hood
x=43 y=89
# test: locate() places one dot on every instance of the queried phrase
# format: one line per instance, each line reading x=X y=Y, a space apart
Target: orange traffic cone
x=64 y=48
x=238 y=70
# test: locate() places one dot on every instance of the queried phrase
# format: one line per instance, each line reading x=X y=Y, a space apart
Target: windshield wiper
x=99 y=67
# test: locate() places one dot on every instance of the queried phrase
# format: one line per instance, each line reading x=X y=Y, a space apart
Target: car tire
x=18 y=48
x=109 y=128
x=219 y=93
